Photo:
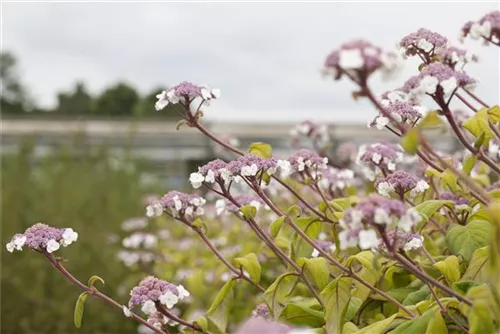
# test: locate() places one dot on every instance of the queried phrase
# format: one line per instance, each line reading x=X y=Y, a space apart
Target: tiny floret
x=185 y=93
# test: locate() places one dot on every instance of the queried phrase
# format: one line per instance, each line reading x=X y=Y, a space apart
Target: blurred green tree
x=14 y=98
x=117 y=100
x=77 y=102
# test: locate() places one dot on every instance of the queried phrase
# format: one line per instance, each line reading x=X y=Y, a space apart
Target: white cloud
x=265 y=57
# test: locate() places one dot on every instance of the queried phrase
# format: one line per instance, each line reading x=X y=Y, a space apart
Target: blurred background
x=83 y=147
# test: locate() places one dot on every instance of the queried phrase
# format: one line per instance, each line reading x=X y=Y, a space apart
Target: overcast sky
x=265 y=57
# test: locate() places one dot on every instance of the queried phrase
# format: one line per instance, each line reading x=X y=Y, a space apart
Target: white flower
x=249 y=170
x=368 y=239
x=69 y=236
x=391 y=166
x=356 y=216
x=303 y=128
x=154 y=210
x=421 y=186
x=351 y=59
x=215 y=93
x=449 y=85
x=183 y=293
x=210 y=177
x=162 y=101
x=205 y=94
x=381 y=217
x=414 y=243
x=376 y=157
x=172 y=97
x=10 y=247
x=148 y=307
x=169 y=299
x=189 y=211
x=19 y=242
x=409 y=219
x=493 y=150
x=196 y=180
x=220 y=206
x=315 y=253
x=428 y=84
x=346 y=240
x=177 y=203
x=385 y=189
x=425 y=45
x=126 y=311
x=381 y=122
x=52 y=246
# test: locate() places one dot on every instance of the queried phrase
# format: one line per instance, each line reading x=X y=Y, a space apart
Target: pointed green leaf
x=464 y=240
x=79 y=307
x=428 y=208
x=336 y=298
x=276 y=225
x=378 y=327
x=478 y=266
x=450 y=268
x=411 y=140
x=318 y=269
x=249 y=211
x=278 y=291
x=251 y=264
x=95 y=278
x=262 y=150
x=217 y=314
x=436 y=324
x=299 y=315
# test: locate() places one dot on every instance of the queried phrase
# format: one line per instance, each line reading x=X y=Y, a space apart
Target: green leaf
x=411 y=141
x=436 y=324
x=276 y=225
x=449 y=179
x=318 y=268
x=417 y=325
x=350 y=328
x=95 y=278
x=430 y=120
x=378 y=327
x=480 y=321
x=278 y=291
x=414 y=298
x=478 y=124
x=464 y=286
x=300 y=315
x=249 y=211
x=478 y=266
x=450 y=268
x=294 y=211
x=368 y=272
x=79 y=306
x=353 y=308
x=336 y=298
x=494 y=113
x=262 y=150
x=217 y=314
x=464 y=240
x=428 y=208
x=469 y=164
x=251 y=264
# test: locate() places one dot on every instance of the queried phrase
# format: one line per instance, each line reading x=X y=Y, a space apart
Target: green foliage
x=79 y=307
x=410 y=141
x=117 y=100
x=262 y=150
x=251 y=264
x=217 y=314
x=464 y=240
x=450 y=268
x=336 y=298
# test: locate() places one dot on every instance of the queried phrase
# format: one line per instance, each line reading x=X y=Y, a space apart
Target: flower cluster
x=400 y=182
x=140 y=239
x=400 y=112
x=260 y=325
x=318 y=133
x=179 y=205
x=455 y=57
x=152 y=292
x=261 y=311
x=487 y=27
x=460 y=202
x=307 y=161
x=360 y=224
x=359 y=59
x=346 y=152
x=402 y=240
x=336 y=179
x=213 y=172
x=324 y=245
x=43 y=237
x=225 y=205
x=185 y=93
x=437 y=76
x=423 y=42
x=382 y=155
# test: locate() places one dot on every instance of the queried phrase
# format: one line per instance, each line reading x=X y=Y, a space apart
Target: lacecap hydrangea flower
x=487 y=27
x=224 y=205
x=423 y=42
x=381 y=155
x=460 y=202
x=400 y=240
x=359 y=59
x=336 y=179
x=401 y=182
x=375 y=214
x=456 y=58
x=307 y=161
x=400 y=112
x=152 y=291
x=42 y=237
x=178 y=204
x=435 y=77
x=185 y=93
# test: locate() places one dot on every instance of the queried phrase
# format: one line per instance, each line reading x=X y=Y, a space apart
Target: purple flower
x=347 y=151
x=455 y=198
x=334 y=178
x=183 y=205
x=185 y=93
x=259 y=325
x=437 y=76
x=400 y=182
x=400 y=111
x=402 y=240
x=360 y=59
x=316 y=132
x=43 y=237
x=455 y=58
x=306 y=160
x=424 y=42
x=213 y=172
x=152 y=290
x=324 y=245
x=360 y=224
x=381 y=155
x=223 y=205
x=261 y=311
x=488 y=27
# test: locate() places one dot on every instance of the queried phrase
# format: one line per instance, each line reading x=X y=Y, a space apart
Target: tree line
x=119 y=99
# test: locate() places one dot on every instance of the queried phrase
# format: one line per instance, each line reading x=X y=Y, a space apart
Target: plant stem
x=175 y=318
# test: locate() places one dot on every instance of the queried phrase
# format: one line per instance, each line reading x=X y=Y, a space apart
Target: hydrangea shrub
x=391 y=237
